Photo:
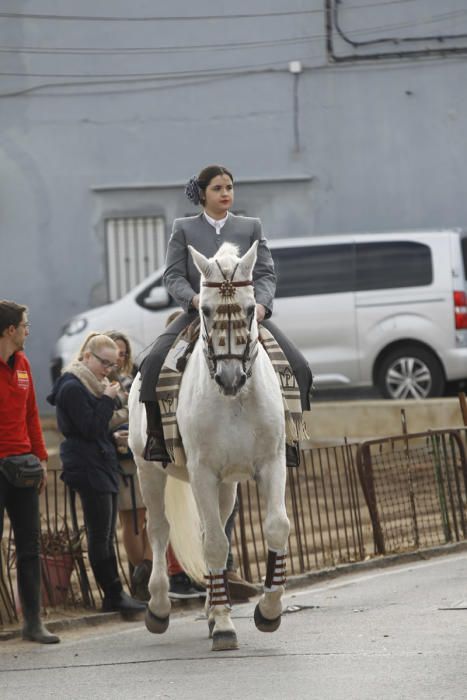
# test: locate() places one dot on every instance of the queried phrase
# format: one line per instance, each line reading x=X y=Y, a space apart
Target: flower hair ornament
x=193 y=191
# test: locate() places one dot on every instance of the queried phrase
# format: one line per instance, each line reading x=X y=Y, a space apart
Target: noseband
x=227 y=290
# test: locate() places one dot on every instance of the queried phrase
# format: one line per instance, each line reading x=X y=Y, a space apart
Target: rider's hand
x=195 y=301
x=260 y=312
x=112 y=390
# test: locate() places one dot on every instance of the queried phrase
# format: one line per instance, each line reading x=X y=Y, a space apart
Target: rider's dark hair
x=196 y=187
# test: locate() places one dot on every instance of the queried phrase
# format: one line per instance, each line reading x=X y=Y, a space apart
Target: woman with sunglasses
x=84 y=398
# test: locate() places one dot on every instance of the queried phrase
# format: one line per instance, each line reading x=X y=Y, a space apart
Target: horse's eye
x=206 y=311
x=250 y=310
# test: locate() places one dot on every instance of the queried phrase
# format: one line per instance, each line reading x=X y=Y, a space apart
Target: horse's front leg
x=216 y=548
x=153 y=481
x=271 y=484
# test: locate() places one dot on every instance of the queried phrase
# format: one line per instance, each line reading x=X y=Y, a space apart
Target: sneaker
x=123 y=603
x=182 y=587
x=240 y=589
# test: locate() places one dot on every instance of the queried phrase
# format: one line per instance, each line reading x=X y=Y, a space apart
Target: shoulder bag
x=22 y=471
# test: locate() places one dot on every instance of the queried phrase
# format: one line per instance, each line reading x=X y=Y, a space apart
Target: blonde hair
x=127 y=367
x=94 y=342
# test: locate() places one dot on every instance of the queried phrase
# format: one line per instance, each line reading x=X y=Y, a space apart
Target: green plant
x=60 y=540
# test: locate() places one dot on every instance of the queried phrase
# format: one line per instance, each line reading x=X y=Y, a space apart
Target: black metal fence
x=345 y=503
x=415 y=489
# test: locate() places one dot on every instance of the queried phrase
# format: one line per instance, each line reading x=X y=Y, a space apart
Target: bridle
x=229 y=320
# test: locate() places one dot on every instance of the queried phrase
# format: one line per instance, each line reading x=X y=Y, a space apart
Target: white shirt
x=216 y=223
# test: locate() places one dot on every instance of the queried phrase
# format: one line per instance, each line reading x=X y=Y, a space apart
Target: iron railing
x=345 y=503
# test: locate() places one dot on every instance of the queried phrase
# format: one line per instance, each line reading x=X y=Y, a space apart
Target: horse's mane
x=227 y=250
x=227 y=256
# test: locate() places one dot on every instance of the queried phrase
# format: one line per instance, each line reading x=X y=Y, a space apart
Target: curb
x=96 y=619
x=294 y=582
x=378 y=562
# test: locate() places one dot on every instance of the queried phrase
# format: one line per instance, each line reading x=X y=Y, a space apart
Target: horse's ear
x=248 y=261
x=200 y=261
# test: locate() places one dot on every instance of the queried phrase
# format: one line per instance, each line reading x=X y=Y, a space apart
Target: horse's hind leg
x=276 y=525
x=153 y=481
x=216 y=548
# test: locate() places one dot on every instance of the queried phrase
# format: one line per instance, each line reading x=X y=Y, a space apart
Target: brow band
x=242 y=283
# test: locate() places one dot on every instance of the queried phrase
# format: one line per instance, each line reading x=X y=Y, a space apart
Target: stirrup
x=155 y=451
x=292 y=456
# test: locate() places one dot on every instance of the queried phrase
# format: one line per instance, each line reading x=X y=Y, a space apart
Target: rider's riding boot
x=29 y=587
x=292 y=455
x=155 y=450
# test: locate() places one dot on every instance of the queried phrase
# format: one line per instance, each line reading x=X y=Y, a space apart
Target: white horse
x=231 y=419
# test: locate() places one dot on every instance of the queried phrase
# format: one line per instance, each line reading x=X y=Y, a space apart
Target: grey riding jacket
x=182 y=278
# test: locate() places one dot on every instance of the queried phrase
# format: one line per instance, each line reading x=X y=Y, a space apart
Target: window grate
x=135 y=248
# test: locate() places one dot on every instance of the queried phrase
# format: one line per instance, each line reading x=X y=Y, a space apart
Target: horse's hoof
x=156 y=625
x=223 y=641
x=211 y=625
x=265 y=625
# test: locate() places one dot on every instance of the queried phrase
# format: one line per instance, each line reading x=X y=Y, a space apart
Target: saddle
x=170 y=377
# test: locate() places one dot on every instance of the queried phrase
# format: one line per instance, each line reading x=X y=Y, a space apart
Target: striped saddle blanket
x=170 y=378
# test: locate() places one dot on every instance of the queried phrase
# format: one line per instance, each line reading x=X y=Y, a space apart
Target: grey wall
x=381 y=142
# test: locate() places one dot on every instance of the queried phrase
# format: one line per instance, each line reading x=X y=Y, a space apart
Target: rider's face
x=219 y=196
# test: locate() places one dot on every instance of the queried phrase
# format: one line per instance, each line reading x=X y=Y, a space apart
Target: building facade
x=333 y=116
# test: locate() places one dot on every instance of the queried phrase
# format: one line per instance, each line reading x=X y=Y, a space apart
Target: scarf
x=86 y=377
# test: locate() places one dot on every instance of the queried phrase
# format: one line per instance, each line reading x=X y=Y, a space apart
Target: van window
x=323 y=269
x=142 y=296
x=393 y=264
x=464 y=255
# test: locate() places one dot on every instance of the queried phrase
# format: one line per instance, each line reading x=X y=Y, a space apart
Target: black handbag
x=23 y=471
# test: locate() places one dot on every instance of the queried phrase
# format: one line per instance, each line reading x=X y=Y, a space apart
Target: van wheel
x=410 y=372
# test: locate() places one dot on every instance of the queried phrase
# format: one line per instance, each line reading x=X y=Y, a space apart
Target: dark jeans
x=100 y=517
x=152 y=364
x=22 y=506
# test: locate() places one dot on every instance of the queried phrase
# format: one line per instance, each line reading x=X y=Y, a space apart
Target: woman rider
x=213 y=189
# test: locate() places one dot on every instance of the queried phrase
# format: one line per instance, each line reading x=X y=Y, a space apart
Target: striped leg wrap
x=216 y=583
x=275 y=572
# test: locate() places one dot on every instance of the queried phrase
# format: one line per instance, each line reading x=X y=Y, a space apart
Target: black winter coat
x=88 y=454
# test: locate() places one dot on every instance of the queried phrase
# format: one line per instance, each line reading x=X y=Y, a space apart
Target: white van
x=388 y=310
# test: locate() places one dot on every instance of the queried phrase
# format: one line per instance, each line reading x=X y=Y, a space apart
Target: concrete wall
x=365 y=147
x=330 y=423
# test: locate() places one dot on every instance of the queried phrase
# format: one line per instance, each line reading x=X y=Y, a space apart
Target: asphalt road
x=375 y=635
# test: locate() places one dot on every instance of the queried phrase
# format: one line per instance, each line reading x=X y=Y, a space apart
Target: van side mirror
x=157 y=298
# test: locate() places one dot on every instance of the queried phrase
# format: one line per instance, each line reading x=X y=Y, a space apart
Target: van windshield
x=464 y=254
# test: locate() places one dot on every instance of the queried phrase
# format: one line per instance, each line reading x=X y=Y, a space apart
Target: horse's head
x=228 y=315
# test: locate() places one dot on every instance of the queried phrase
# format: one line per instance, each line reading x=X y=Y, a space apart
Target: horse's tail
x=185 y=528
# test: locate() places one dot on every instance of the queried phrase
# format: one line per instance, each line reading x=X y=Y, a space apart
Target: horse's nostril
x=218 y=379
x=242 y=380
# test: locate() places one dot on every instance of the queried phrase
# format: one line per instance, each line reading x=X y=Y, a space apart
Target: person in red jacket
x=21 y=433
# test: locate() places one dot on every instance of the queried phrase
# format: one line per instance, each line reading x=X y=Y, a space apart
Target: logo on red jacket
x=23 y=378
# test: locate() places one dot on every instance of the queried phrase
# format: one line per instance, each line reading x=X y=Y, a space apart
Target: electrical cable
x=38 y=90
x=159 y=49
x=437 y=18
x=159 y=18
x=187 y=18
x=147 y=76
x=398 y=40
x=196 y=77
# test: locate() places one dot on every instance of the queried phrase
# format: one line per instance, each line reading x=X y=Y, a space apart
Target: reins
x=227 y=290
